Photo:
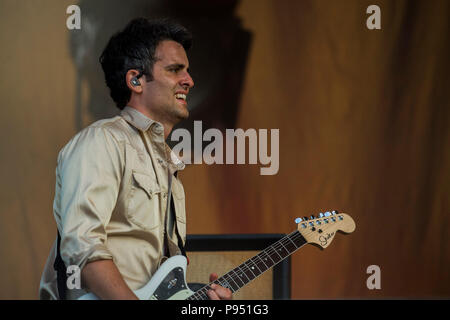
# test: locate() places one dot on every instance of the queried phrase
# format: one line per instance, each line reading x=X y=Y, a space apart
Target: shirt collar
x=143 y=123
x=138 y=120
x=177 y=162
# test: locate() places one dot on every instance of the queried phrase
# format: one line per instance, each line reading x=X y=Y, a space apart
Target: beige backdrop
x=364 y=128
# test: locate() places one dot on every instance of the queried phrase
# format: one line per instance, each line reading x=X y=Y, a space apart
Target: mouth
x=181 y=97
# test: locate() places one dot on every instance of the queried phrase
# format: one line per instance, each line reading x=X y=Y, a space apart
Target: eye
x=175 y=69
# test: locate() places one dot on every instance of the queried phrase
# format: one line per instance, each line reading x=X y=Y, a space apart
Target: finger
x=212 y=295
x=221 y=292
x=213 y=277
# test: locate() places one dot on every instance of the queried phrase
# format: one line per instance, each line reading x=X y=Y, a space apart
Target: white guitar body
x=168 y=283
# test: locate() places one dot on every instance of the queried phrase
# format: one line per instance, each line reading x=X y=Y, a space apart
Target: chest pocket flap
x=146 y=183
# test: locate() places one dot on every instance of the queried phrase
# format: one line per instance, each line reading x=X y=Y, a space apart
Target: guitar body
x=168 y=283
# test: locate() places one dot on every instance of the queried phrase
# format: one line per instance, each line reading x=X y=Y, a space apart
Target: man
x=119 y=206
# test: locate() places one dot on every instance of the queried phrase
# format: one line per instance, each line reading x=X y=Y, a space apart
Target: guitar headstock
x=321 y=230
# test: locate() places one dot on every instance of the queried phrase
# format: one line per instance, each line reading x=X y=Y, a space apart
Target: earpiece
x=135 y=82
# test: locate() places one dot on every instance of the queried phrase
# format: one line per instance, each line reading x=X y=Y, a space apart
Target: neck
x=167 y=130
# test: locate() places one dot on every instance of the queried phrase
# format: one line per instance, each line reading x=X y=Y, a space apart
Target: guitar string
x=277 y=245
x=274 y=253
x=270 y=251
x=288 y=239
x=258 y=261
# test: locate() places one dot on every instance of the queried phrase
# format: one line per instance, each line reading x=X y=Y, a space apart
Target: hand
x=218 y=292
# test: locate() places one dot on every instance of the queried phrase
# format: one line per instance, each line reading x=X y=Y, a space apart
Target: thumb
x=213 y=277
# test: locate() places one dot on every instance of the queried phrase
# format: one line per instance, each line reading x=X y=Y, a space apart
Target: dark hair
x=134 y=48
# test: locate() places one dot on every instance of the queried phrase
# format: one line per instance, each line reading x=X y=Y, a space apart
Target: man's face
x=165 y=95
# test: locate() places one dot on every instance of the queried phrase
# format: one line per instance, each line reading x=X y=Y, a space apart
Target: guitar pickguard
x=172 y=286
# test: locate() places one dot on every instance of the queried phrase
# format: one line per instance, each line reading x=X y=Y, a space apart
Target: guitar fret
x=280 y=257
x=248 y=274
x=299 y=239
x=229 y=284
x=262 y=260
x=267 y=255
x=284 y=252
x=284 y=247
x=199 y=295
x=290 y=246
x=255 y=264
x=223 y=282
x=246 y=264
x=243 y=273
x=289 y=238
x=238 y=277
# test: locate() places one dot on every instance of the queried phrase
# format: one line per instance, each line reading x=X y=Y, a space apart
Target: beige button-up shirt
x=111 y=200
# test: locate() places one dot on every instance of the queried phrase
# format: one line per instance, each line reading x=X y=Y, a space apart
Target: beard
x=180 y=111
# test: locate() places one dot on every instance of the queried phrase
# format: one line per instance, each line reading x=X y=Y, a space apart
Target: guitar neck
x=255 y=266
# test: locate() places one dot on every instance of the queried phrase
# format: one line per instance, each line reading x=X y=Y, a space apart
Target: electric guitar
x=169 y=281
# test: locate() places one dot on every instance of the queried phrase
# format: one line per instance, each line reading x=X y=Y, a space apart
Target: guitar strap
x=174 y=220
x=60 y=268
x=180 y=241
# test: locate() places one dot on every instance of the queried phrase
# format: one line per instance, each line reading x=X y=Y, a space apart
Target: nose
x=187 y=81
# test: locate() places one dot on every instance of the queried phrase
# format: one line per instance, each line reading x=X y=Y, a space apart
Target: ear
x=131 y=74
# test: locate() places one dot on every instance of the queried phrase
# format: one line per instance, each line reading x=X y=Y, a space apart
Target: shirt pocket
x=143 y=206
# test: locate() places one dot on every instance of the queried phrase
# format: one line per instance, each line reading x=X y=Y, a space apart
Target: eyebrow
x=176 y=66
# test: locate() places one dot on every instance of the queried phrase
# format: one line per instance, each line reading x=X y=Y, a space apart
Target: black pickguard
x=172 y=283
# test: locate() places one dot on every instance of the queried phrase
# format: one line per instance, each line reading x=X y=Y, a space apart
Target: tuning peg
x=327 y=214
x=298 y=220
x=334 y=212
x=312 y=217
x=321 y=215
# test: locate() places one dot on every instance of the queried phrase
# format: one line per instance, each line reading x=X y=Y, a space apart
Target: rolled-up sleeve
x=88 y=174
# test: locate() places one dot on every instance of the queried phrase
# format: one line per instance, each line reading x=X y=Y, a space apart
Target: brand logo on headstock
x=324 y=239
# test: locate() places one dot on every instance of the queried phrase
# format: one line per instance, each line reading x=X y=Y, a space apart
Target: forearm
x=103 y=279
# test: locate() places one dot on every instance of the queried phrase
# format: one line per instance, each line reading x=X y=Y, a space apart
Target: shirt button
x=157 y=129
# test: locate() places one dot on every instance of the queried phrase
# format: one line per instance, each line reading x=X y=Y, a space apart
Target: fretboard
x=254 y=267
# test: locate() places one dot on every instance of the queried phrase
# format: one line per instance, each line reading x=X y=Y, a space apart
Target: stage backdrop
x=363 y=119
